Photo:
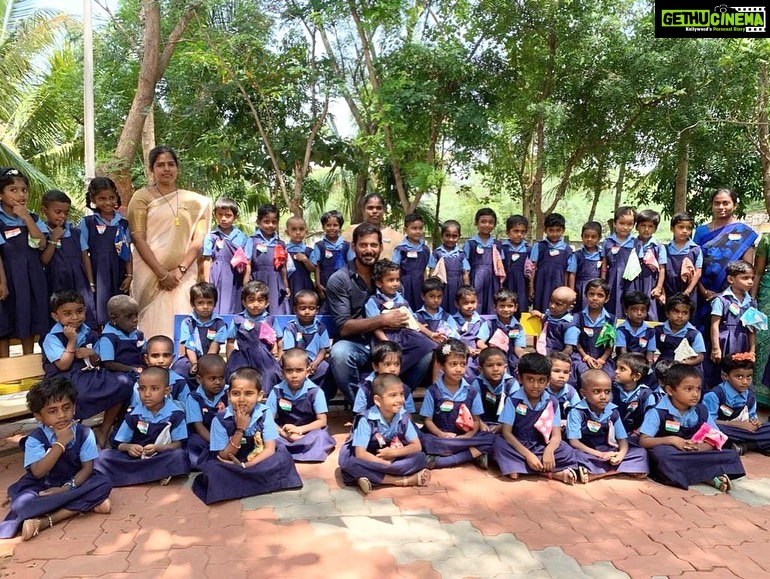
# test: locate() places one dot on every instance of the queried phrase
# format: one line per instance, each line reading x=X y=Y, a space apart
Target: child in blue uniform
x=596 y=432
x=669 y=335
x=531 y=441
x=308 y=334
x=585 y=264
x=245 y=459
x=432 y=314
x=150 y=438
x=469 y=323
x=25 y=305
x=667 y=431
x=635 y=334
x=733 y=406
x=202 y=405
x=558 y=383
x=256 y=335
x=63 y=253
x=452 y=259
x=299 y=409
x=202 y=332
x=595 y=343
x=452 y=412
x=299 y=277
x=384 y=447
x=480 y=250
x=106 y=235
x=412 y=255
x=684 y=259
x=617 y=250
x=385 y=359
x=267 y=259
x=329 y=254
x=515 y=254
x=653 y=260
x=493 y=383
x=504 y=330
x=60 y=481
x=632 y=397
x=559 y=332
x=660 y=369
x=120 y=345
x=550 y=257
x=68 y=350
x=219 y=248
x=159 y=351
x=415 y=344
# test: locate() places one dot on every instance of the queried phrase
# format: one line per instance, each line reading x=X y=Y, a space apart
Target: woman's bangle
x=164 y=278
x=60 y=445
x=132 y=275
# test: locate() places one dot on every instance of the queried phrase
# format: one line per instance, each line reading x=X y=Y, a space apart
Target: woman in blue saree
x=723 y=240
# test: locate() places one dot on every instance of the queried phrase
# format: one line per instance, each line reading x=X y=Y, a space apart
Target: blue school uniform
x=517 y=337
x=468 y=331
x=616 y=254
x=601 y=432
x=492 y=395
x=328 y=256
x=253 y=351
x=455 y=263
x=522 y=415
x=667 y=341
x=143 y=427
x=180 y=390
x=312 y=338
x=640 y=340
x=514 y=259
x=441 y=322
x=115 y=345
x=199 y=407
x=25 y=310
x=365 y=396
x=551 y=260
x=65 y=271
x=197 y=335
x=726 y=404
x=107 y=243
x=633 y=405
x=675 y=257
x=221 y=481
x=300 y=408
x=299 y=279
x=588 y=332
x=24 y=494
x=260 y=251
x=586 y=266
x=97 y=388
x=413 y=260
x=443 y=407
x=559 y=332
x=567 y=397
x=220 y=247
x=480 y=256
x=414 y=344
x=372 y=432
x=648 y=279
x=733 y=335
x=681 y=468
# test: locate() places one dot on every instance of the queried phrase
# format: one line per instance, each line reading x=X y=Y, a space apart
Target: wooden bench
x=18 y=374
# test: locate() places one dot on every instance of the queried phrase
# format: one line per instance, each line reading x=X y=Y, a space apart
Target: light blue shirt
x=572 y=262
x=631 y=395
x=733 y=399
x=717 y=307
x=687 y=419
x=620 y=338
x=259 y=239
x=194 y=411
x=282 y=390
x=481 y=244
x=408 y=246
x=360 y=402
x=363 y=431
x=191 y=341
x=232 y=331
x=339 y=245
x=571 y=332
x=34 y=449
x=574 y=421
x=319 y=342
x=515 y=333
x=428 y=403
x=219 y=437
x=372 y=306
x=446 y=253
x=105 y=348
x=237 y=237
x=652 y=244
x=67 y=233
x=179 y=432
x=698 y=344
x=8 y=219
x=53 y=347
x=671 y=249
x=445 y=321
x=114 y=222
x=518 y=403
x=558 y=246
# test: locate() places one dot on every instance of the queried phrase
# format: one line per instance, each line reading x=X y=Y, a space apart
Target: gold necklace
x=165 y=197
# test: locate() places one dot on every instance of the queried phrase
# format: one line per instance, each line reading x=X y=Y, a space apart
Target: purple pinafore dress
x=453 y=264
x=514 y=260
x=674 y=283
x=648 y=279
x=313 y=446
x=483 y=278
x=469 y=331
x=205 y=337
x=617 y=259
x=253 y=352
x=413 y=262
x=632 y=411
x=329 y=261
x=586 y=270
x=26 y=502
x=197 y=447
x=303 y=339
x=107 y=264
x=223 y=276
x=587 y=340
x=667 y=344
x=761 y=437
x=550 y=272
x=263 y=269
x=299 y=279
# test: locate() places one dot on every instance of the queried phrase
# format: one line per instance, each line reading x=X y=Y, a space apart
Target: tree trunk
x=619 y=185
x=148 y=140
x=598 y=187
x=537 y=179
x=680 y=191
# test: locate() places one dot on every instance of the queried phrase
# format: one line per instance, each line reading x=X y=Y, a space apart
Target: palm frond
x=38 y=181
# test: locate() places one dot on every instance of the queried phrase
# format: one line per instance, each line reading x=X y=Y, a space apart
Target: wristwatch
x=182 y=268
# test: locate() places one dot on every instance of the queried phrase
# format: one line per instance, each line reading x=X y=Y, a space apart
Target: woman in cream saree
x=170 y=225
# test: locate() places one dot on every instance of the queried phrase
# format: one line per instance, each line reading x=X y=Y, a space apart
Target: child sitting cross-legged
x=531 y=441
x=60 y=481
x=202 y=405
x=384 y=448
x=309 y=334
x=629 y=394
x=504 y=330
x=299 y=409
x=120 y=345
x=595 y=430
x=385 y=359
x=494 y=384
x=558 y=384
x=432 y=314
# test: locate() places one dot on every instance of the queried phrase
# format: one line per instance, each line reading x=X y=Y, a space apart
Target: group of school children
x=243 y=419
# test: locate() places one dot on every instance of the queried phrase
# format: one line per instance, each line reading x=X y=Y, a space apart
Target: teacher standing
x=168 y=226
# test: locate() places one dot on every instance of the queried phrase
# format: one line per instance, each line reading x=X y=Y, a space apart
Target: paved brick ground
x=466 y=523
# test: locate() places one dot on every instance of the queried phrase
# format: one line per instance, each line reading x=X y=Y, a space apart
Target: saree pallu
x=157 y=218
x=762 y=390
x=720 y=247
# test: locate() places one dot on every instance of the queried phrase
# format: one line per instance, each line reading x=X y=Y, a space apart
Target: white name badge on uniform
x=589 y=332
x=248 y=325
x=553 y=252
x=328 y=254
x=411 y=255
x=594 y=426
x=12 y=233
x=100 y=229
x=479 y=250
x=220 y=243
x=261 y=247
x=734 y=237
x=615 y=250
x=515 y=257
x=642 y=342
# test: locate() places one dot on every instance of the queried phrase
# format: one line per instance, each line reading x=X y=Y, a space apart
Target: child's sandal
x=31 y=528
x=722 y=483
x=365 y=485
x=164 y=482
x=583 y=475
x=567 y=476
x=423 y=478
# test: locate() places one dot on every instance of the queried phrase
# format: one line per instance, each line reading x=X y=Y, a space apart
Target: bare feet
x=513 y=475
x=567 y=476
x=103 y=508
